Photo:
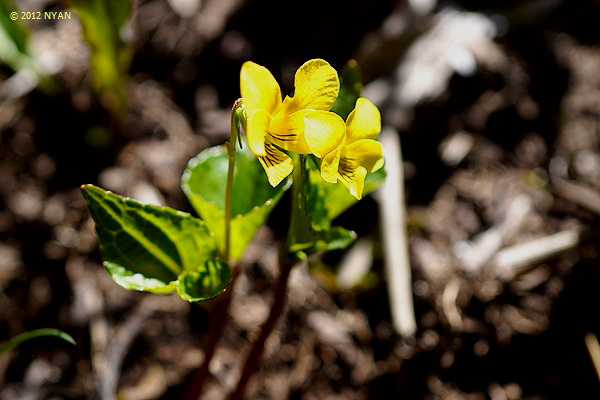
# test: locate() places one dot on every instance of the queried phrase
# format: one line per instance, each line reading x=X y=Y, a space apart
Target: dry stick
x=116 y=350
x=487 y=243
x=578 y=193
x=257 y=347
x=510 y=261
x=591 y=342
x=395 y=242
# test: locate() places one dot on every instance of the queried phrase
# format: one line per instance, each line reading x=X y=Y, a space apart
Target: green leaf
x=204 y=182
x=103 y=21
x=14 y=30
x=323 y=241
x=14 y=48
x=20 y=338
x=204 y=283
x=350 y=89
x=131 y=280
x=146 y=247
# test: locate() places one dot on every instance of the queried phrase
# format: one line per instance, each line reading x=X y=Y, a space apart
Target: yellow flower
x=271 y=121
x=359 y=153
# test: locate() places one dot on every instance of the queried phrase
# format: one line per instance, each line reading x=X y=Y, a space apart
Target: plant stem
x=257 y=347
x=219 y=312
x=217 y=323
x=285 y=266
x=298 y=203
x=231 y=151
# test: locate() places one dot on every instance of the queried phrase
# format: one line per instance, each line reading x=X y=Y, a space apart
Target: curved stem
x=217 y=323
x=285 y=266
x=231 y=151
x=257 y=347
x=219 y=312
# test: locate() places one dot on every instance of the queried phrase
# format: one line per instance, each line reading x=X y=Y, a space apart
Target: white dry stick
x=591 y=342
x=395 y=243
x=356 y=264
x=449 y=306
x=510 y=260
x=486 y=244
x=578 y=193
x=119 y=344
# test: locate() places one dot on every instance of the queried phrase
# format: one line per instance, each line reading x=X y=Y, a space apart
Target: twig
x=591 y=342
x=449 y=306
x=510 y=260
x=395 y=242
x=486 y=244
x=355 y=264
x=90 y=309
x=257 y=347
x=118 y=345
x=577 y=193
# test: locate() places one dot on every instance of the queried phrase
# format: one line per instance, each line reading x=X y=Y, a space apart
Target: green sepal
x=148 y=248
x=204 y=183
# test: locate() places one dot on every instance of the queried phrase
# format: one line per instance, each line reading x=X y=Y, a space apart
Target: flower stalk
x=298 y=205
x=234 y=137
x=279 y=297
x=220 y=309
x=217 y=323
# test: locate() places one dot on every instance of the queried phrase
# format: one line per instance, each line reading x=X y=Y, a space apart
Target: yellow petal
x=330 y=164
x=366 y=153
x=316 y=87
x=259 y=88
x=276 y=163
x=323 y=132
x=354 y=180
x=287 y=132
x=257 y=125
x=364 y=122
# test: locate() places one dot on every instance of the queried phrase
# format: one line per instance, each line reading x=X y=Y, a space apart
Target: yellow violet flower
x=271 y=121
x=359 y=153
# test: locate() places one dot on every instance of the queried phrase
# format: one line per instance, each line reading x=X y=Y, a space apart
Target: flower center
x=346 y=168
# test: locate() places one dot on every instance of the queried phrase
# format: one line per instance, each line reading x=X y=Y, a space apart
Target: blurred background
x=496 y=104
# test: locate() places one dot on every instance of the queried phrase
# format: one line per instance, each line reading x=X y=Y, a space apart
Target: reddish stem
x=217 y=323
x=257 y=347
